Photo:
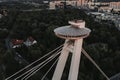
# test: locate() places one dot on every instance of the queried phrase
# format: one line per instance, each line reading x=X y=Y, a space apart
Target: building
x=61 y=3
x=115 y=6
x=17 y=43
x=105 y=9
x=30 y=41
x=82 y=2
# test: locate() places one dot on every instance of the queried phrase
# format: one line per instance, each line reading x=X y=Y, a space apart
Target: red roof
x=17 y=42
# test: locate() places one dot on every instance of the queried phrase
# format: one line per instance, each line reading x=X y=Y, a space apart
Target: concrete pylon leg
x=61 y=63
x=74 y=68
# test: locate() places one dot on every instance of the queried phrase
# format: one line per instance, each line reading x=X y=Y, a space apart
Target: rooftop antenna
x=73 y=35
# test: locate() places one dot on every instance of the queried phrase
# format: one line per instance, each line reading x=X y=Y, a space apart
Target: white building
x=30 y=41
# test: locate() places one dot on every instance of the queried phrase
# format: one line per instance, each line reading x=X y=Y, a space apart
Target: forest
x=103 y=44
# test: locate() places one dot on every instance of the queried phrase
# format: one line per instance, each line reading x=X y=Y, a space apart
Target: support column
x=61 y=63
x=74 y=68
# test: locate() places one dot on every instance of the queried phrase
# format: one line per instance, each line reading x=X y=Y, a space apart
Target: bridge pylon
x=73 y=35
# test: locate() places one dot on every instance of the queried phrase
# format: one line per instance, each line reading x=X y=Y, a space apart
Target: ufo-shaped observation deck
x=74 y=31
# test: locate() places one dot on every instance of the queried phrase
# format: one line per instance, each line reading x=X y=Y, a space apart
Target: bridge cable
x=33 y=62
x=87 y=55
x=49 y=69
x=38 y=66
x=41 y=66
x=35 y=66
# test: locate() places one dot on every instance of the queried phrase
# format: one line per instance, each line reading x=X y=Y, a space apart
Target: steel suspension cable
x=42 y=66
x=35 y=69
x=87 y=55
x=26 y=73
x=35 y=66
x=33 y=62
x=49 y=69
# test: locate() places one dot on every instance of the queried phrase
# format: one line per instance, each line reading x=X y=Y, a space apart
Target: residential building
x=115 y=6
x=30 y=41
x=61 y=4
x=17 y=43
